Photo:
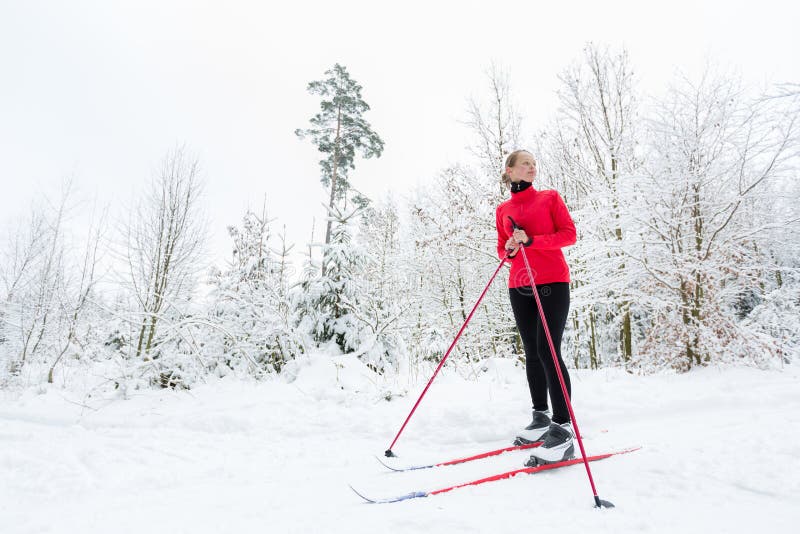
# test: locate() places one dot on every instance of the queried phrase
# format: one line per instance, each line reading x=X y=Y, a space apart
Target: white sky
x=101 y=90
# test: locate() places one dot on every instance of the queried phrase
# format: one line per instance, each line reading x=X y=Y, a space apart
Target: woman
x=544 y=227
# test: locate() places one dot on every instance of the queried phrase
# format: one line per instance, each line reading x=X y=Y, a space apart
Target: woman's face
x=524 y=169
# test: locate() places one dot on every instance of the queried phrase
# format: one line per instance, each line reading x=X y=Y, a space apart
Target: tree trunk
x=625 y=334
x=594 y=361
x=333 y=181
x=141 y=338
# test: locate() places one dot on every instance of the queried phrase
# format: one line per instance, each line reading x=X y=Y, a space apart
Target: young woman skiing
x=539 y=221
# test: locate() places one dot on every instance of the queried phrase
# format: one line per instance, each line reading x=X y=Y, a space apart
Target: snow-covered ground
x=721 y=453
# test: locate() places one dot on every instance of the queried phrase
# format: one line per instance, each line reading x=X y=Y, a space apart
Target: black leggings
x=538 y=361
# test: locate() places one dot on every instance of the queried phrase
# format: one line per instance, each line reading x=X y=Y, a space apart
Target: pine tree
x=250 y=312
x=339 y=131
x=326 y=303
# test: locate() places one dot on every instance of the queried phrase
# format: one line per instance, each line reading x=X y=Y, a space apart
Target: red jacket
x=544 y=217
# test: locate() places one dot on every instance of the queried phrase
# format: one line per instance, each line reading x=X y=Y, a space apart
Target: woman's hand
x=521 y=237
x=512 y=247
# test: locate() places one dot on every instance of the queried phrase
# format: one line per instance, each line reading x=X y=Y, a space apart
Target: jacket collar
x=524 y=195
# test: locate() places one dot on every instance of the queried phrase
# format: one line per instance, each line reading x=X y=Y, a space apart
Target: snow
x=721 y=449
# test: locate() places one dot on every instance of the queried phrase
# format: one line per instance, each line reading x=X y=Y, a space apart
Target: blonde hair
x=511 y=160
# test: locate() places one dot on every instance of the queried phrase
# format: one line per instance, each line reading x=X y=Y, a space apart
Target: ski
x=500 y=476
x=480 y=456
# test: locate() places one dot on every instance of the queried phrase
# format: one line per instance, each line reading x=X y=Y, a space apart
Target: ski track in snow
x=720 y=454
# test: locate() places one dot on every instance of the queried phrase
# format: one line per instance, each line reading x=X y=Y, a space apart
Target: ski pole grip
x=518 y=227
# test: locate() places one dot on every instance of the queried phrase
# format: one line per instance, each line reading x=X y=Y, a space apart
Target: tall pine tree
x=339 y=131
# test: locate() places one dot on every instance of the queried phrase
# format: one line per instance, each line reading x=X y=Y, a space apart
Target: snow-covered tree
x=163 y=244
x=714 y=156
x=325 y=299
x=77 y=308
x=251 y=317
x=32 y=275
x=48 y=283
x=496 y=125
x=454 y=239
x=450 y=240
x=384 y=301
x=589 y=155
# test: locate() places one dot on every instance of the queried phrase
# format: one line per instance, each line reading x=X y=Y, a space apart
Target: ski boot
x=534 y=431
x=556 y=447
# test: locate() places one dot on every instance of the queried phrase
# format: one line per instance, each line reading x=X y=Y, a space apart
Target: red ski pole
x=389 y=452
x=599 y=503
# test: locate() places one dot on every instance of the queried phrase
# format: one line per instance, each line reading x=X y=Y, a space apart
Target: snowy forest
x=685 y=203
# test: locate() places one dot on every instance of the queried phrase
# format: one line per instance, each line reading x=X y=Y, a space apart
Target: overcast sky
x=101 y=90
